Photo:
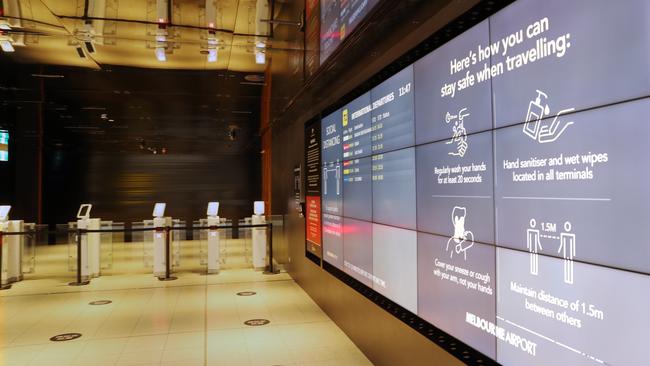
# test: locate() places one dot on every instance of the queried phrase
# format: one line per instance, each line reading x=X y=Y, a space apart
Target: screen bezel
x=84 y=211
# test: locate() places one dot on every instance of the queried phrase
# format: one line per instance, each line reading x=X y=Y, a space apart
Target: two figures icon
x=567 y=248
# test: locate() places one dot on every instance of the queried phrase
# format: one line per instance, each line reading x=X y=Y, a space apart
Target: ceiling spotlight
x=260 y=57
x=4 y=24
x=160 y=54
x=213 y=55
x=6 y=45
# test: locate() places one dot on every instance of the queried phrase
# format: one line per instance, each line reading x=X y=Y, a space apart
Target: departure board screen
x=497 y=187
x=338 y=20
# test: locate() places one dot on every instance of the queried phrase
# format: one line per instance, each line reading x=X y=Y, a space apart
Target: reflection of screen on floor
x=84 y=211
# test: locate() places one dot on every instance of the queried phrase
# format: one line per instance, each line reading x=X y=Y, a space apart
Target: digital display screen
x=213 y=209
x=338 y=20
x=84 y=211
x=393 y=188
x=357 y=188
x=4 y=145
x=393 y=119
x=357 y=127
x=159 y=209
x=497 y=187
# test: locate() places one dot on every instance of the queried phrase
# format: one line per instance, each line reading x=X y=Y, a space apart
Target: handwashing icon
x=539 y=129
x=463 y=239
x=460 y=133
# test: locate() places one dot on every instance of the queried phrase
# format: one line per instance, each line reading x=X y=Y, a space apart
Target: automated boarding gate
x=16 y=249
x=259 y=236
x=106 y=241
x=88 y=247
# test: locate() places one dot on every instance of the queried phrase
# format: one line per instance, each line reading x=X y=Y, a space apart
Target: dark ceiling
x=120 y=109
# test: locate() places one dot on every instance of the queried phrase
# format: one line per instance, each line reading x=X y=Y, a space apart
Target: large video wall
x=499 y=186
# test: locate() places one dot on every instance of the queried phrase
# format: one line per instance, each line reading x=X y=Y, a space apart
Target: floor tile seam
x=141 y=315
x=74 y=291
x=271 y=325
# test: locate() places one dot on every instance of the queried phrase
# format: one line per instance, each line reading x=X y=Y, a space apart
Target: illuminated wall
x=497 y=187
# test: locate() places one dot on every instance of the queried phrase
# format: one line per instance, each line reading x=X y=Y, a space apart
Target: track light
x=160 y=54
x=6 y=45
x=80 y=52
x=89 y=46
x=4 y=24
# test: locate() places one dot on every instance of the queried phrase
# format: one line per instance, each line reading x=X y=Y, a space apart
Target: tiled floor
x=196 y=320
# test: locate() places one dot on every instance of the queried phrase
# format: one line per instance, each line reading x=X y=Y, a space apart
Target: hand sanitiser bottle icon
x=535 y=114
x=540 y=128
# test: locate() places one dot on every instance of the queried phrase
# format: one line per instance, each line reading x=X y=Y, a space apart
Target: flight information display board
x=338 y=20
x=497 y=187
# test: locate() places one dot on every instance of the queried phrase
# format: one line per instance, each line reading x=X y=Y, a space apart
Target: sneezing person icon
x=462 y=239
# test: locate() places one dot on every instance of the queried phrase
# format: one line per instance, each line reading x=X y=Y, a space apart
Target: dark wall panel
x=125 y=187
x=123 y=139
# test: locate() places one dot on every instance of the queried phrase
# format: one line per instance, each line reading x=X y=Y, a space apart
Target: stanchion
x=269 y=269
x=7 y=286
x=79 y=282
x=168 y=276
